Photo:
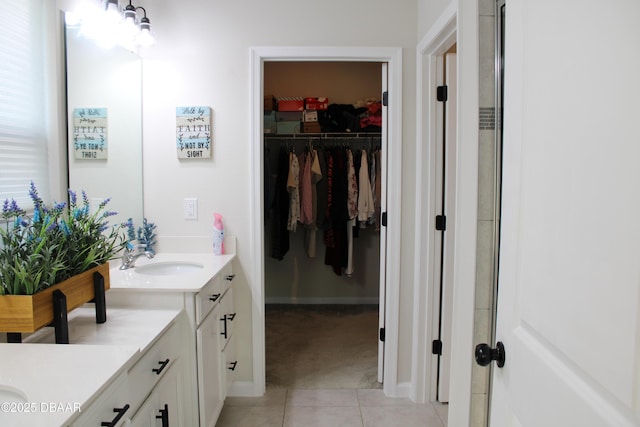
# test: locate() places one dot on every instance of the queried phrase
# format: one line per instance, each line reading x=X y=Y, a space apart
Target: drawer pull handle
x=120 y=412
x=233 y=366
x=230 y=277
x=162 y=364
x=214 y=297
x=224 y=329
x=164 y=416
x=231 y=316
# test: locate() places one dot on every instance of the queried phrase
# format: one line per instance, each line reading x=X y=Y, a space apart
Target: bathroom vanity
x=164 y=357
x=109 y=374
x=201 y=285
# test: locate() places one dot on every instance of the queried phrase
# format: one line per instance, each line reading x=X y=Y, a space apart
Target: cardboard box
x=310 y=116
x=288 y=116
x=316 y=103
x=311 y=127
x=287 y=128
x=269 y=103
x=269 y=123
x=290 y=104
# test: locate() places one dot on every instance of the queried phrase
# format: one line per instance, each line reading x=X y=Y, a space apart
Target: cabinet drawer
x=153 y=365
x=226 y=277
x=112 y=406
x=208 y=297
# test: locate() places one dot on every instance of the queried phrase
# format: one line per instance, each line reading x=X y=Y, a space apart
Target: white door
x=383 y=230
x=569 y=280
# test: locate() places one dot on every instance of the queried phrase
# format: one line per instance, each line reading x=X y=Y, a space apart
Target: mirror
x=105 y=153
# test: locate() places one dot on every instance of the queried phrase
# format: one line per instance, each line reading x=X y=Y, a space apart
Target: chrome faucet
x=132 y=253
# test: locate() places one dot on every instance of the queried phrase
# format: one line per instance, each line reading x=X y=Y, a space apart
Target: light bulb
x=145 y=38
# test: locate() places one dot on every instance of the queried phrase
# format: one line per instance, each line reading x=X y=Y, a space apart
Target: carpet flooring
x=322 y=347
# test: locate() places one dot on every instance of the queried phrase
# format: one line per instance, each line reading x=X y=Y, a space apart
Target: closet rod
x=308 y=136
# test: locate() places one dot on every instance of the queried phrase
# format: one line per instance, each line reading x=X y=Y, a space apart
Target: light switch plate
x=190 y=208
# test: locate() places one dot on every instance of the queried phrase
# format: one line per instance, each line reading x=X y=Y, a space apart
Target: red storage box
x=290 y=104
x=316 y=103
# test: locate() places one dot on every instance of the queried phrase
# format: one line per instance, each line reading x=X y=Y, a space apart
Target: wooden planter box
x=28 y=313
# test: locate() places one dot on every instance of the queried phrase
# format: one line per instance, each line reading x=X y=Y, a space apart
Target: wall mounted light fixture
x=110 y=24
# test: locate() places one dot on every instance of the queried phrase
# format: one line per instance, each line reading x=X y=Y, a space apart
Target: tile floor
x=285 y=407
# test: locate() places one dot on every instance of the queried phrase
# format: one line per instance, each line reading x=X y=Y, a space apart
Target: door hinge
x=436 y=347
x=382 y=334
x=441 y=93
x=383 y=220
x=441 y=222
x=385 y=98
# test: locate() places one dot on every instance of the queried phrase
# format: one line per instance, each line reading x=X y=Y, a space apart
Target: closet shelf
x=324 y=135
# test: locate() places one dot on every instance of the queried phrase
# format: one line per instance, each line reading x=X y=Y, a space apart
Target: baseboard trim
x=322 y=300
x=248 y=389
x=244 y=389
x=403 y=390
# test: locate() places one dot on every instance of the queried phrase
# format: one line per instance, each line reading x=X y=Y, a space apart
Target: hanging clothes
x=280 y=209
x=293 y=180
x=365 y=195
x=352 y=186
x=306 y=203
x=352 y=209
x=311 y=229
x=336 y=236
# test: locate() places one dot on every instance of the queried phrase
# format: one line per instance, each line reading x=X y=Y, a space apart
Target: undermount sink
x=12 y=395
x=169 y=268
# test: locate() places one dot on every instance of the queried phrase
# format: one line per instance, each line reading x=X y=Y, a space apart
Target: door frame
x=427 y=252
x=459 y=23
x=393 y=57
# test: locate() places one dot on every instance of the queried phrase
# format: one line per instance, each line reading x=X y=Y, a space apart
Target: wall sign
x=193 y=132
x=90 y=133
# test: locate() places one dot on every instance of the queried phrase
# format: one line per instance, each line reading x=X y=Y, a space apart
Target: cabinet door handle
x=163 y=364
x=233 y=366
x=164 y=416
x=231 y=316
x=114 y=421
x=214 y=297
x=230 y=277
x=224 y=329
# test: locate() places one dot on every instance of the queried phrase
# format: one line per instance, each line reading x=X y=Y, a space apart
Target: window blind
x=23 y=145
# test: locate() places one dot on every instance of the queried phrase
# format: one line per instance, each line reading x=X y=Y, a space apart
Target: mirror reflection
x=104 y=111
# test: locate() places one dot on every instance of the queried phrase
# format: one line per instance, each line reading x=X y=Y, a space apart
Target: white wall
x=202 y=58
x=428 y=13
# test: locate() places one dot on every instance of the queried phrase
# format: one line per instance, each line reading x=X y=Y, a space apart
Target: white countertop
x=129 y=279
x=65 y=375
x=70 y=375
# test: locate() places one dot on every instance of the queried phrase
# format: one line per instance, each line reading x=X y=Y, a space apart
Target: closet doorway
x=323 y=269
x=388 y=251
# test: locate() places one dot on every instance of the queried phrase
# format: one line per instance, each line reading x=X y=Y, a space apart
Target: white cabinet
x=227 y=344
x=209 y=373
x=163 y=407
x=210 y=343
x=150 y=393
x=156 y=382
x=214 y=305
x=153 y=364
x=110 y=408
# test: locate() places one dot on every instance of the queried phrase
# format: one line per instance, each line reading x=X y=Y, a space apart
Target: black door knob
x=485 y=354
